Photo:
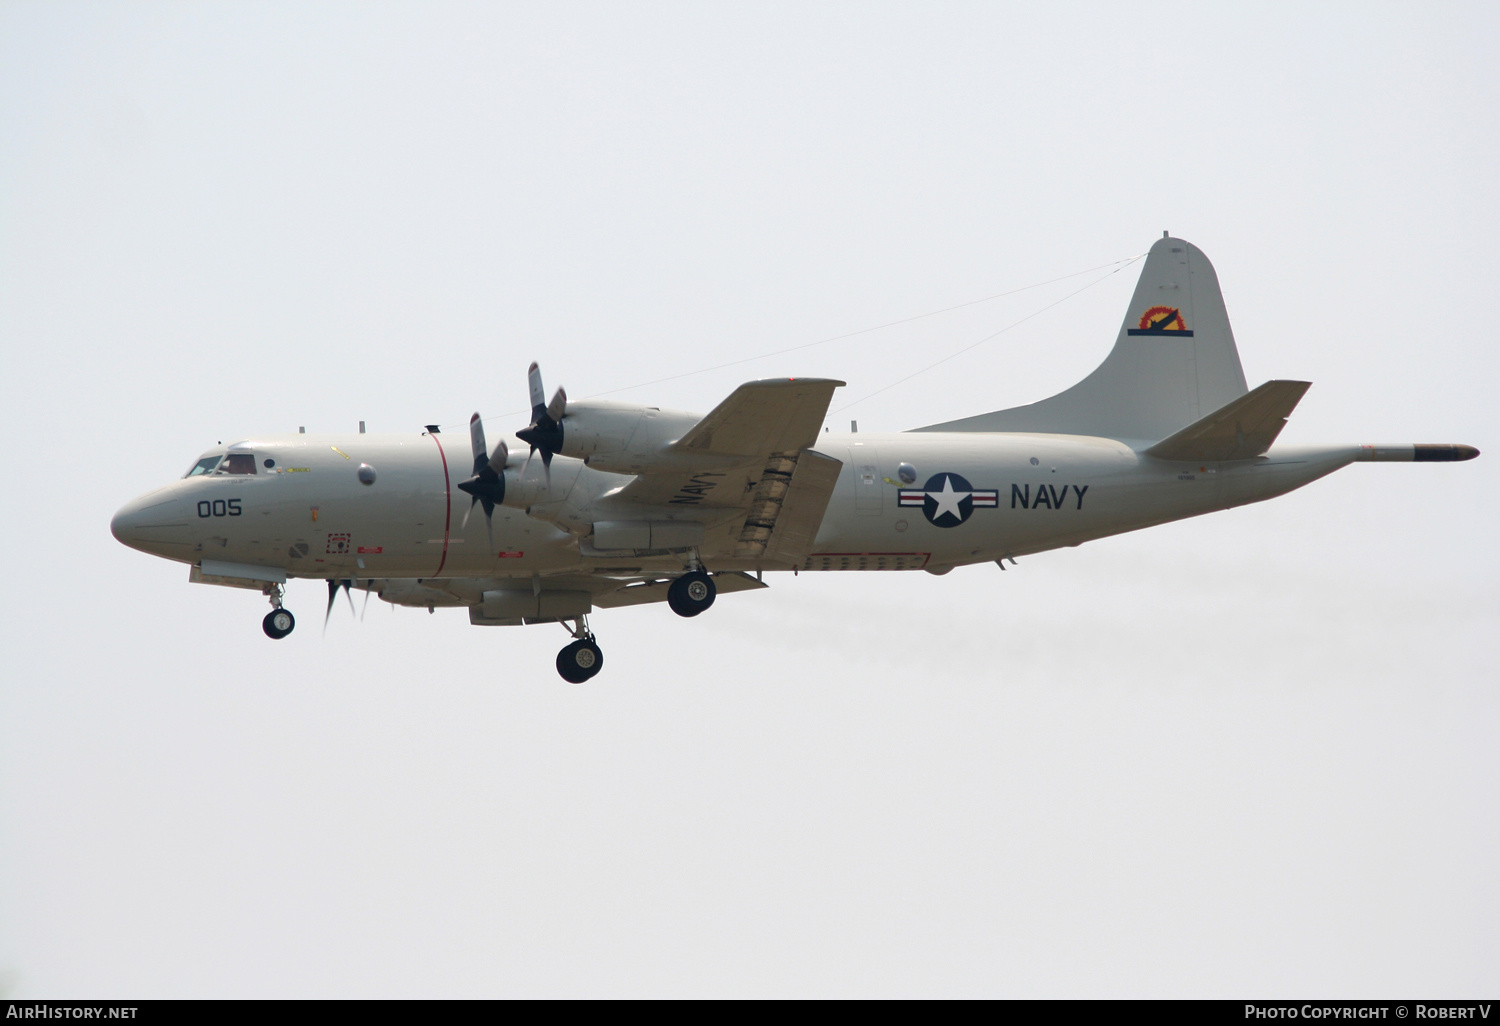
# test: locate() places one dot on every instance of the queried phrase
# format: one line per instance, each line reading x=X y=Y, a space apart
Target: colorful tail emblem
x=1162 y=320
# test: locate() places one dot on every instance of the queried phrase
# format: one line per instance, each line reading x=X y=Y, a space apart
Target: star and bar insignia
x=948 y=500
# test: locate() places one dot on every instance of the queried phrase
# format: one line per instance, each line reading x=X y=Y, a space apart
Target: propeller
x=333 y=594
x=487 y=485
x=545 y=432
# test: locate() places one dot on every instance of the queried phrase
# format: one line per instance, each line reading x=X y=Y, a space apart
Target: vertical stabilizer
x=1174 y=362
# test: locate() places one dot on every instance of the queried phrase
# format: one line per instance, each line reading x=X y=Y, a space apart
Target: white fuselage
x=973 y=497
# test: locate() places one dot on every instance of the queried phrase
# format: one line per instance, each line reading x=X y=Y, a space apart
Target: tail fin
x=1174 y=362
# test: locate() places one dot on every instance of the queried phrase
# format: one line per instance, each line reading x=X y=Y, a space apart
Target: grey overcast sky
x=1250 y=754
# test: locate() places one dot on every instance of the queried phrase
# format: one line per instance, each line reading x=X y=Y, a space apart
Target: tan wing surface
x=720 y=461
x=760 y=417
x=751 y=457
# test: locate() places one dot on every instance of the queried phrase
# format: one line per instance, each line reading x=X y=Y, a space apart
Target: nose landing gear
x=582 y=659
x=278 y=622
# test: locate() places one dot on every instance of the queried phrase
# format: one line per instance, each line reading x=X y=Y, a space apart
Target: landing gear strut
x=582 y=659
x=278 y=622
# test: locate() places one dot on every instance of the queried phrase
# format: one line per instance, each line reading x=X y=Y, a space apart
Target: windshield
x=205 y=465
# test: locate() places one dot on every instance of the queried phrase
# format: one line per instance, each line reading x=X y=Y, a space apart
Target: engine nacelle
x=642 y=535
x=620 y=437
x=516 y=606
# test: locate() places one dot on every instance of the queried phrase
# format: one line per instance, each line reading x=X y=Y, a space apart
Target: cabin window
x=238 y=463
x=204 y=465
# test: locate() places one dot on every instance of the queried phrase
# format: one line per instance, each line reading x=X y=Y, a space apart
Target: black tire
x=579 y=661
x=278 y=623
x=692 y=593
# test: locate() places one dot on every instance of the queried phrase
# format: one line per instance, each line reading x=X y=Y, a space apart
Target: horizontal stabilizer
x=759 y=417
x=1241 y=430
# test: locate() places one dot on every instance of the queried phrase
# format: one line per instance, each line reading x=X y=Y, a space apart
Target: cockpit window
x=238 y=463
x=204 y=465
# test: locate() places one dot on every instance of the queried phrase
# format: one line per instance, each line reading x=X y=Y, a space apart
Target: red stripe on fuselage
x=448 y=497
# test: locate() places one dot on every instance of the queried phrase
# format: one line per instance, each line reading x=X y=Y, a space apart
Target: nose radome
x=119 y=525
x=128 y=520
x=142 y=520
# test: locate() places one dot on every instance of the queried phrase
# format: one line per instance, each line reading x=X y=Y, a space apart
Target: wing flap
x=794 y=523
x=1240 y=430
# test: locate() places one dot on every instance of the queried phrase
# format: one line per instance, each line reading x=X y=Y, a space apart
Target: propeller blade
x=476 y=438
x=545 y=432
x=497 y=461
x=347 y=585
x=489 y=522
x=487 y=486
x=364 y=608
x=538 y=394
x=333 y=593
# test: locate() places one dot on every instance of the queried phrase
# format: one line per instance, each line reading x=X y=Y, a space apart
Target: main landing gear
x=278 y=622
x=582 y=659
x=691 y=593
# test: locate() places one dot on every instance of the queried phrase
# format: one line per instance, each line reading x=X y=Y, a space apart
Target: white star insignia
x=947 y=500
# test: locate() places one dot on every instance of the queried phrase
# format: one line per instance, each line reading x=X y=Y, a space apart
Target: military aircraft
x=613 y=504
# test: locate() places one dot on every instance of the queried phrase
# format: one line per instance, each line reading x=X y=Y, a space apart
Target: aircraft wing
x=751 y=456
x=760 y=417
x=1240 y=430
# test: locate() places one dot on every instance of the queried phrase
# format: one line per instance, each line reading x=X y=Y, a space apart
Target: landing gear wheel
x=580 y=661
x=691 y=593
x=278 y=623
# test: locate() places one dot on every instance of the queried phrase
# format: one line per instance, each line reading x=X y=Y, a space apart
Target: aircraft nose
x=147 y=520
x=123 y=525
